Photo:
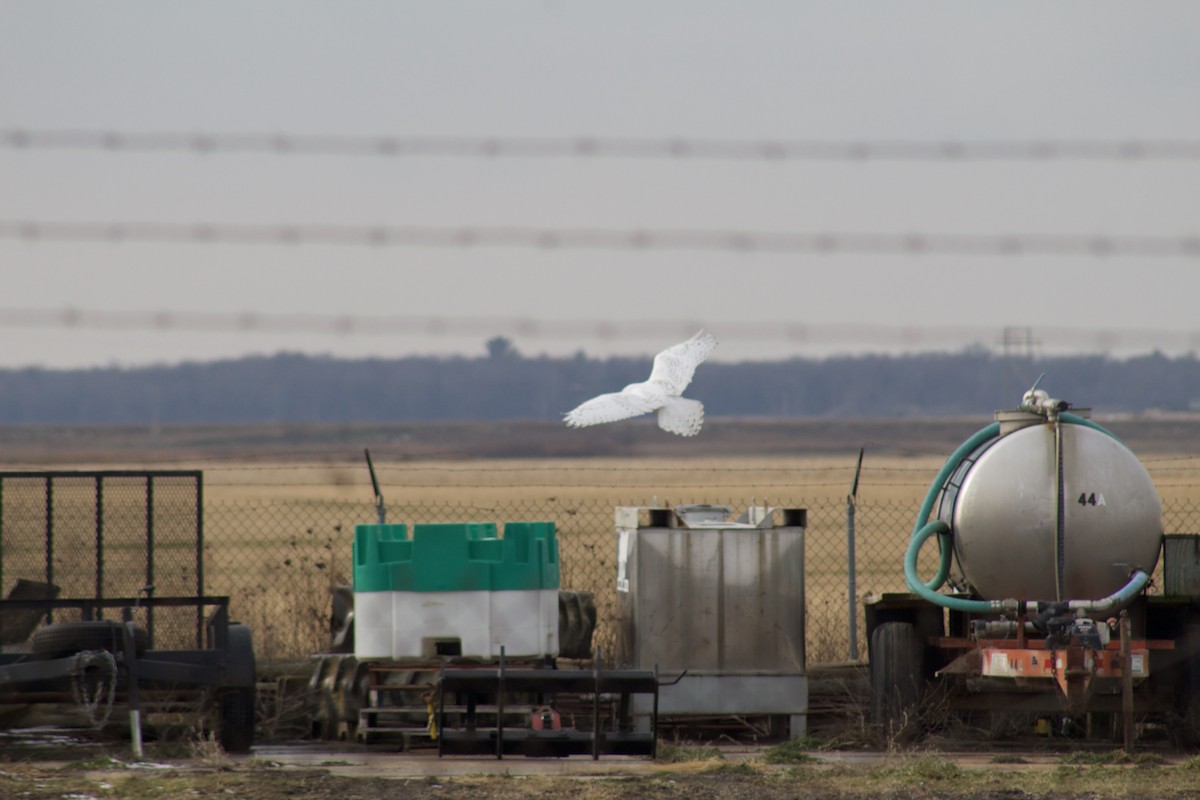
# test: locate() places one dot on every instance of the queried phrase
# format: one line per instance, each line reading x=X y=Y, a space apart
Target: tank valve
x=1039 y=402
x=993 y=628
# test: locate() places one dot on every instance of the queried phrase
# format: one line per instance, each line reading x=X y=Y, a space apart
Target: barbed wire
x=474 y=463
x=360 y=324
x=484 y=486
x=586 y=147
x=526 y=328
x=646 y=484
x=732 y=241
x=365 y=482
x=489 y=466
x=489 y=503
x=559 y=468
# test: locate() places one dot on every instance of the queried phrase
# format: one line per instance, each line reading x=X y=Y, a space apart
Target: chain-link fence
x=279 y=560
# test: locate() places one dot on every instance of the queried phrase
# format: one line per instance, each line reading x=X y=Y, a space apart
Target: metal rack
x=506 y=711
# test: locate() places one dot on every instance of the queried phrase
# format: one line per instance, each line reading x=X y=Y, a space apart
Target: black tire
x=897 y=682
x=236 y=732
x=1185 y=728
x=576 y=624
x=68 y=638
x=238 y=698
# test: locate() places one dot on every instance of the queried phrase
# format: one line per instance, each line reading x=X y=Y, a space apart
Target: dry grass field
x=280 y=503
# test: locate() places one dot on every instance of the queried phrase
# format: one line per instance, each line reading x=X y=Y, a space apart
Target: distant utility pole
x=1017 y=344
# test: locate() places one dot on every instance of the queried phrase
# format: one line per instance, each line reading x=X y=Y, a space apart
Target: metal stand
x=478 y=709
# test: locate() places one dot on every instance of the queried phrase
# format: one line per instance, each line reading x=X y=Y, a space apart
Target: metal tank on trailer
x=719 y=603
x=1048 y=530
x=1048 y=511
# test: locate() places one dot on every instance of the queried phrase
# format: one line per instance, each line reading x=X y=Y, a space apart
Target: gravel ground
x=93 y=772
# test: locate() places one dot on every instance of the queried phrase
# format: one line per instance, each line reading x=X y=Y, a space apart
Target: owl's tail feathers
x=682 y=416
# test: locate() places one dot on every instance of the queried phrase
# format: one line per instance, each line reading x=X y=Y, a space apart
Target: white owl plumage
x=672 y=372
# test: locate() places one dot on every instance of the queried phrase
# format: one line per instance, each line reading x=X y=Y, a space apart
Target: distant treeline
x=505 y=385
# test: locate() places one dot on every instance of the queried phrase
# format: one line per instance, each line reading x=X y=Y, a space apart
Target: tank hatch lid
x=704 y=515
x=709 y=517
x=682 y=516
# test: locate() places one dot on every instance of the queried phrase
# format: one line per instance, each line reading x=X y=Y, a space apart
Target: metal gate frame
x=99 y=479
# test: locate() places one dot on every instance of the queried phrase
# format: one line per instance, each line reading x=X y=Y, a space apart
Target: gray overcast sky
x=749 y=70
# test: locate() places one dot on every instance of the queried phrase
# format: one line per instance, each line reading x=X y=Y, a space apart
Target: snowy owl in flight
x=673 y=370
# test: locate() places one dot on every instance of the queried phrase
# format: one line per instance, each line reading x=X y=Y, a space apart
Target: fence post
x=852 y=589
x=380 y=508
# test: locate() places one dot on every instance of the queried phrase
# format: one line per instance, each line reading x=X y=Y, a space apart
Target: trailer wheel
x=896 y=673
x=238 y=699
x=68 y=638
x=1186 y=688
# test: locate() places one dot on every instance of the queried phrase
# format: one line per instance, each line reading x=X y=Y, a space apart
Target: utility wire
x=732 y=241
x=672 y=148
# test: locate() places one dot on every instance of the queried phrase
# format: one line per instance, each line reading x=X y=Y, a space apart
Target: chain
x=91 y=701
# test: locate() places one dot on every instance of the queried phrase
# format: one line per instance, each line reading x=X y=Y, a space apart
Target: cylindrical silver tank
x=1052 y=512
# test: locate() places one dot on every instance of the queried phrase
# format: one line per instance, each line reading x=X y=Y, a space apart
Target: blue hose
x=1137 y=582
x=956 y=458
x=929 y=591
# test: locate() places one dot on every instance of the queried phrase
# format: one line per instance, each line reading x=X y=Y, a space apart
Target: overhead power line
x=733 y=241
x=675 y=148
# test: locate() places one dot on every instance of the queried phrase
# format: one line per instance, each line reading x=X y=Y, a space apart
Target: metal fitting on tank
x=993 y=628
x=1038 y=401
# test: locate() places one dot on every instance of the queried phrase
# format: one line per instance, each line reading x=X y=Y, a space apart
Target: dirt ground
x=311 y=773
x=267 y=783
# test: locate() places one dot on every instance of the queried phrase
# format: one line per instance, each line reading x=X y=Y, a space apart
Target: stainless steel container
x=719 y=599
x=1051 y=511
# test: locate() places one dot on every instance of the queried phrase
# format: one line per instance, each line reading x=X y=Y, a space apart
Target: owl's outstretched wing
x=675 y=366
x=608 y=408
